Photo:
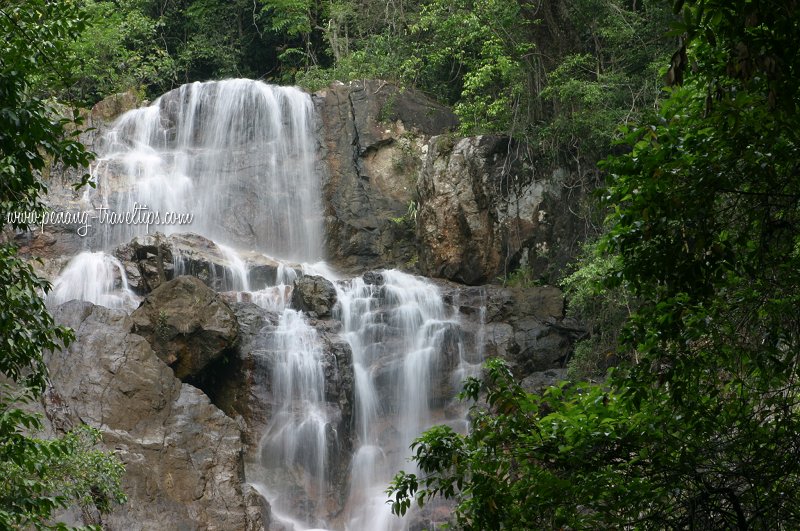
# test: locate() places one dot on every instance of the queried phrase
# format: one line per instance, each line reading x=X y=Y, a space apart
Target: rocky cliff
x=373 y=143
x=184 y=387
x=403 y=190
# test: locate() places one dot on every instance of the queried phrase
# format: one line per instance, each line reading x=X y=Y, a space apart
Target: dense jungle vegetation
x=690 y=111
x=560 y=74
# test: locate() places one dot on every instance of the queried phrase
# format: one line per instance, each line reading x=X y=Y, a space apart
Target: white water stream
x=396 y=331
x=95 y=277
x=238 y=156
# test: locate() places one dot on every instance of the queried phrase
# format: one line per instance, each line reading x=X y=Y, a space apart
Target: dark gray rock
x=148 y=262
x=374 y=278
x=537 y=382
x=187 y=324
x=373 y=143
x=524 y=326
x=314 y=294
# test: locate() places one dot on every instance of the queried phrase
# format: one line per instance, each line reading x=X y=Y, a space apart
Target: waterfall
x=239 y=277
x=399 y=332
x=231 y=160
x=236 y=159
x=293 y=452
x=237 y=156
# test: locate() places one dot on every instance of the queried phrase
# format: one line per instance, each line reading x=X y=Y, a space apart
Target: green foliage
x=210 y=47
x=521 y=277
x=480 y=41
x=296 y=25
x=612 y=77
x=31 y=137
x=162 y=326
x=602 y=310
x=291 y=17
x=26 y=328
x=381 y=57
x=561 y=76
x=697 y=426
x=118 y=50
x=38 y=476
x=410 y=217
x=533 y=462
x=41 y=476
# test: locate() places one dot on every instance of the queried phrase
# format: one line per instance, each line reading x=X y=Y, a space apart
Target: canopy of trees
x=559 y=74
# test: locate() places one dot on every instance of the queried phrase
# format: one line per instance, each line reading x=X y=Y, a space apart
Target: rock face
x=181 y=453
x=314 y=294
x=482 y=213
x=187 y=324
x=524 y=326
x=373 y=141
x=400 y=191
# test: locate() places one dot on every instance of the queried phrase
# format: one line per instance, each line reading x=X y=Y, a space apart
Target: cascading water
x=239 y=157
x=294 y=446
x=95 y=277
x=399 y=333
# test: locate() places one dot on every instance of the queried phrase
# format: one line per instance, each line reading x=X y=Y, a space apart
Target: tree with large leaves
x=39 y=477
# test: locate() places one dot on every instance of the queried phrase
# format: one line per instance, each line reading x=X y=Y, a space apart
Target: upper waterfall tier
x=238 y=156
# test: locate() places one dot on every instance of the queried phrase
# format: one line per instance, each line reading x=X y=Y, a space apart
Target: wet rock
x=374 y=278
x=524 y=326
x=153 y=259
x=258 y=510
x=242 y=387
x=182 y=455
x=148 y=262
x=314 y=294
x=187 y=324
x=202 y=258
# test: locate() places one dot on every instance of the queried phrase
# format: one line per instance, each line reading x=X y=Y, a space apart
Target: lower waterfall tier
x=332 y=379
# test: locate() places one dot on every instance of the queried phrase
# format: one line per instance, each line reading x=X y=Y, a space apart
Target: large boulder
x=187 y=324
x=314 y=294
x=182 y=455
